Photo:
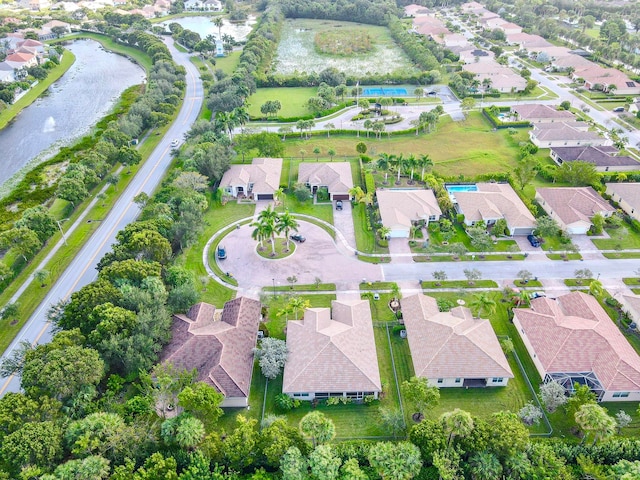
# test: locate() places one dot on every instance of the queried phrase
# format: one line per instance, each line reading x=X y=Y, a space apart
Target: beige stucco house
x=627 y=195
x=400 y=209
x=258 y=180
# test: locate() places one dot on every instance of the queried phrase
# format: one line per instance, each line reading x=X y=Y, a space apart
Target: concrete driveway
x=317 y=257
x=343 y=221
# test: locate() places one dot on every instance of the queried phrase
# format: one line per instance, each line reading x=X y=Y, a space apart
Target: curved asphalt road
x=82 y=270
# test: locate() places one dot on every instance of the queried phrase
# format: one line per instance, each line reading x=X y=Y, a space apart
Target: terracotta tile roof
x=630 y=304
x=629 y=192
x=332 y=350
x=19 y=57
x=401 y=207
x=574 y=334
x=527 y=40
x=573 y=204
x=219 y=345
x=532 y=111
x=600 y=156
x=563 y=131
x=264 y=173
x=451 y=344
x=336 y=176
x=495 y=200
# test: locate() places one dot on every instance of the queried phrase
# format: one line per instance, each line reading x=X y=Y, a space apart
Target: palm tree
x=226 y=121
x=483 y=304
x=258 y=234
x=367 y=126
x=286 y=223
x=279 y=196
x=218 y=23
x=331 y=153
x=485 y=466
x=457 y=423
x=266 y=226
x=329 y=127
x=411 y=163
x=400 y=163
x=424 y=162
x=592 y=418
x=296 y=304
x=384 y=233
x=241 y=116
x=385 y=162
x=595 y=288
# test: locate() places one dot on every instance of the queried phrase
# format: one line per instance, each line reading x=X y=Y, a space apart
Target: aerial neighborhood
x=324 y=240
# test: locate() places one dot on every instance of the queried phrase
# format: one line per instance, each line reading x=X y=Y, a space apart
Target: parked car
x=175 y=142
x=618 y=109
x=222 y=252
x=297 y=237
x=533 y=240
x=537 y=295
x=432 y=92
x=339 y=205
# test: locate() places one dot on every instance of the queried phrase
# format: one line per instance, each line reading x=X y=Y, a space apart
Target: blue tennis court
x=384 y=92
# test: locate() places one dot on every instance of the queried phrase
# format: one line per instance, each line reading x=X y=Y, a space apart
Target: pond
x=204 y=26
x=69 y=109
x=297 y=50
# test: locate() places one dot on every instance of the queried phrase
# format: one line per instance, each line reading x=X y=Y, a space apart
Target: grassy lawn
x=380 y=311
x=631 y=281
x=215 y=218
x=321 y=287
x=436 y=240
x=483 y=151
x=281 y=248
x=54 y=74
x=377 y=285
x=292 y=99
x=458 y=284
x=229 y=63
x=134 y=54
x=365 y=238
x=276 y=324
x=578 y=282
x=530 y=283
x=321 y=211
x=623 y=238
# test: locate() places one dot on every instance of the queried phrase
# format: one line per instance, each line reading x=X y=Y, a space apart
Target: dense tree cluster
x=375 y=12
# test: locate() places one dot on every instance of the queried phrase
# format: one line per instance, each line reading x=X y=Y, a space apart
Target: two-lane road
x=82 y=269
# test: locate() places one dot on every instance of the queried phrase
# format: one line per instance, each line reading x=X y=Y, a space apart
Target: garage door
x=522 y=231
x=265 y=196
x=341 y=197
x=399 y=233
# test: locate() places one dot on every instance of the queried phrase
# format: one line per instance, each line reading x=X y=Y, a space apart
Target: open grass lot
x=297 y=52
x=215 y=218
x=467 y=148
x=292 y=99
x=229 y=63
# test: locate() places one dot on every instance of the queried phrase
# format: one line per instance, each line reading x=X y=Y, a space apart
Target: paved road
x=82 y=270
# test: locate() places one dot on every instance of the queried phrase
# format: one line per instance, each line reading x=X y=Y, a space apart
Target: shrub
x=369 y=182
x=368 y=399
x=284 y=402
x=333 y=401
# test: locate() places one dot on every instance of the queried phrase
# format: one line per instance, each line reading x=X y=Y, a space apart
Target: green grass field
x=293 y=100
x=467 y=148
x=229 y=63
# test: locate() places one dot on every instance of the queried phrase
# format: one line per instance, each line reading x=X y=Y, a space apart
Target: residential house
x=604 y=158
x=630 y=304
x=565 y=135
x=607 y=79
x=21 y=60
x=571 y=339
x=6 y=73
x=332 y=353
x=413 y=9
x=526 y=41
x=474 y=55
x=35 y=5
x=400 y=209
x=536 y=113
x=509 y=28
x=573 y=207
x=491 y=202
x=635 y=106
x=219 y=345
x=501 y=78
x=335 y=177
x=453 y=349
x=259 y=180
x=627 y=195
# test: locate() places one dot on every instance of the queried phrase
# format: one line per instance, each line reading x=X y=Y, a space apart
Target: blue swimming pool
x=384 y=92
x=461 y=188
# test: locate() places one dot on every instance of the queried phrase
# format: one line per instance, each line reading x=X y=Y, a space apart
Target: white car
x=175 y=142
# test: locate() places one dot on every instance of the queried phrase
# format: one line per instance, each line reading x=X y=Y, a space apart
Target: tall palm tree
x=226 y=121
x=218 y=23
x=457 y=423
x=483 y=304
x=401 y=163
x=296 y=304
x=385 y=162
x=367 y=126
x=425 y=162
x=241 y=116
x=285 y=223
x=258 y=233
x=411 y=163
x=329 y=127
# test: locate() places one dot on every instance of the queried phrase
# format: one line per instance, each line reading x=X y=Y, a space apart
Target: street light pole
x=64 y=239
x=274 y=287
